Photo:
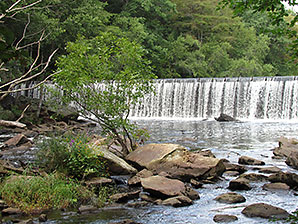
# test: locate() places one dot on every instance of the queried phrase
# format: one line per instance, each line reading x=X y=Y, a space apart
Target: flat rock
x=253 y=177
x=87 y=209
x=292 y=160
x=239 y=184
x=235 y=167
x=276 y=186
x=163 y=187
x=98 y=182
x=11 y=211
x=230 y=198
x=264 y=211
x=286 y=146
x=224 y=218
x=178 y=201
x=246 y=160
x=124 y=197
x=176 y=161
x=272 y=169
x=16 y=140
x=136 y=180
x=291 y=179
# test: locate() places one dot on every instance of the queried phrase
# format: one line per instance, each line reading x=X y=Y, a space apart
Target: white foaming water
x=243 y=98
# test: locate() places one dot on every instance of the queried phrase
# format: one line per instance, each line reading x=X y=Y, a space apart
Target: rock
x=264 y=211
x=147 y=197
x=206 y=153
x=98 y=182
x=176 y=161
x=292 y=160
x=249 y=161
x=11 y=211
x=17 y=150
x=253 y=177
x=239 y=184
x=230 y=198
x=136 y=180
x=163 y=187
x=137 y=204
x=178 y=201
x=272 y=169
x=116 y=165
x=16 y=140
x=3 y=205
x=87 y=209
x=290 y=179
x=225 y=118
x=124 y=197
x=126 y=221
x=286 y=147
x=224 y=218
x=43 y=218
x=235 y=167
x=28 y=221
x=276 y=186
x=231 y=173
x=191 y=193
x=196 y=184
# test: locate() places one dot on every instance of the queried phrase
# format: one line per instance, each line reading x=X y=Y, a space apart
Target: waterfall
x=243 y=98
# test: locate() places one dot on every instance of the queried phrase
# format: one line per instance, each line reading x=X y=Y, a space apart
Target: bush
x=71 y=155
x=31 y=193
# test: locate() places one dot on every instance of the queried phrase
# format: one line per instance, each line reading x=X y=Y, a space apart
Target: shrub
x=71 y=155
x=31 y=193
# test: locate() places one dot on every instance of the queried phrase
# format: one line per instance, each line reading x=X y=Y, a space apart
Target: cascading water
x=243 y=98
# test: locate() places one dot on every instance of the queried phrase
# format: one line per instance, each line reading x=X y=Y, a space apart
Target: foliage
x=32 y=193
x=71 y=155
x=104 y=76
x=293 y=218
x=275 y=10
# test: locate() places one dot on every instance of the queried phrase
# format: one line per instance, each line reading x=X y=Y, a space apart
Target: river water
x=226 y=140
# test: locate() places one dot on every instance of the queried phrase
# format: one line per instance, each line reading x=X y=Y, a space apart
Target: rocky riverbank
x=162 y=174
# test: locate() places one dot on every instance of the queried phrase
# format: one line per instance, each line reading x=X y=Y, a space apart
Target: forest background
x=189 y=38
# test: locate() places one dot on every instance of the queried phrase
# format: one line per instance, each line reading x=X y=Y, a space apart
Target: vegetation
x=104 y=76
x=34 y=193
x=70 y=154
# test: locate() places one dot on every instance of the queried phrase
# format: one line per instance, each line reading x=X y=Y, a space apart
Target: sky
x=294 y=8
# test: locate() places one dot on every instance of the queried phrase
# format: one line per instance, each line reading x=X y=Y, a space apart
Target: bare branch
x=12 y=9
x=29 y=88
x=22 y=115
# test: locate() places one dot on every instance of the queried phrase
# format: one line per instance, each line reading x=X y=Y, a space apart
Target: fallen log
x=12 y=124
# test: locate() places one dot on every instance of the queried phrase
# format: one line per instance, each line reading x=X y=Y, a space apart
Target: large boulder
x=264 y=211
x=163 y=187
x=176 y=161
x=286 y=147
x=116 y=165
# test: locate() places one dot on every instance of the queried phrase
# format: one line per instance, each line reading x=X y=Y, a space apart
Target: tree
x=16 y=66
x=275 y=10
x=103 y=76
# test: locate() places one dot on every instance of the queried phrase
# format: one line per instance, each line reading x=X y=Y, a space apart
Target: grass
x=35 y=193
